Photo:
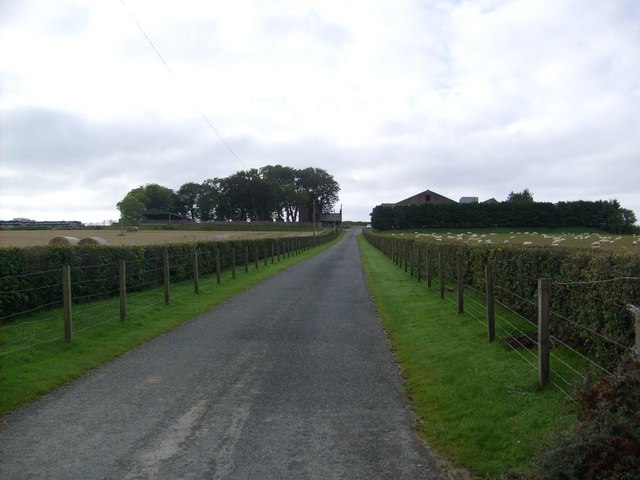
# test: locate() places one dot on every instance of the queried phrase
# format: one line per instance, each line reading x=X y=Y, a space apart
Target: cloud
x=467 y=98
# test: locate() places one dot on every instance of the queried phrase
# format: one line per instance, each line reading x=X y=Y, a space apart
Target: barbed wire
x=590 y=330
x=509 y=292
x=593 y=282
x=22 y=275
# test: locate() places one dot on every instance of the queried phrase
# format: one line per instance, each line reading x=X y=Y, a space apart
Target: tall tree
x=144 y=198
x=188 y=200
x=525 y=196
x=283 y=184
x=319 y=188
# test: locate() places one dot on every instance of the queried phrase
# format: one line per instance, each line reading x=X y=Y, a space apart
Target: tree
x=144 y=198
x=210 y=201
x=283 y=184
x=131 y=208
x=188 y=200
x=316 y=186
x=524 y=196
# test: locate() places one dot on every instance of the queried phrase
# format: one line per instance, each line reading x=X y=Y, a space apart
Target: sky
x=464 y=98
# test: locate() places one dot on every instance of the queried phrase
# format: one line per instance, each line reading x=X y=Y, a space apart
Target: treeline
x=271 y=193
x=601 y=214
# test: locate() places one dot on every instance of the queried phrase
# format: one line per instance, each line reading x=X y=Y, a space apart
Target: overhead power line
x=204 y=117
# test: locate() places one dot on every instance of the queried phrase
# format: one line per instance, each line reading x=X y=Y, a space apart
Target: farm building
x=427 y=196
x=331 y=219
x=157 y=216
x=468 y=200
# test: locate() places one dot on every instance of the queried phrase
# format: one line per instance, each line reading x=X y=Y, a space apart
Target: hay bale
x=132 y=229
x=63 y=241
x=93 y=241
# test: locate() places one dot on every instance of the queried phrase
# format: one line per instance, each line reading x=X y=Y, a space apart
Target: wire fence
x=86 y=297
x=513 y=310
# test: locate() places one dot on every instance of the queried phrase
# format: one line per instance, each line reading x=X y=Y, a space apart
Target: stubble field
x=30 y=238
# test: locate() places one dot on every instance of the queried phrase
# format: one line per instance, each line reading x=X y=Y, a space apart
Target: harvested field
x=30 y=238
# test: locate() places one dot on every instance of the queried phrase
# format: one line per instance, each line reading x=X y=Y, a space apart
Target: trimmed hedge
x=605 y=215
x=586 y=307
x=31 y=278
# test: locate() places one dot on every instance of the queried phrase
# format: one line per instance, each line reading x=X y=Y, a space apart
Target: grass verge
x=479 y=404
x=35 y=359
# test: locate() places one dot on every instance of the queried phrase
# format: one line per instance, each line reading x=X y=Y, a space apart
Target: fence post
x=266 y=254
x=218 y=265
x=257 y=255
x=636 y=313
x=196 y=275
x=441 y=273
x=273 y=251
x=405 y=251
x=246 y=258
x=66 y=303
x=233 y=262
x=491 y=318
x=460 y=275
x=419 y=272
x=543 y=330
x=123 y=290
x=165 y=261
x=429 y=268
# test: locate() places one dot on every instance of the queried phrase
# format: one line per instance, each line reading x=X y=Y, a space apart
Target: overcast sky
x=465 y=98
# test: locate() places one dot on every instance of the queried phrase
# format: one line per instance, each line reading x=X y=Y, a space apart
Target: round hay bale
x=93 y=241
x=132 y=229
x=63 y=241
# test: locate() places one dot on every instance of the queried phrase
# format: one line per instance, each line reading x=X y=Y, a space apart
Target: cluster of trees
x=271 y=193
x=605 y=215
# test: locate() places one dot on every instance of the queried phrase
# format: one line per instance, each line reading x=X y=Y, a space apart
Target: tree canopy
x=272 y=193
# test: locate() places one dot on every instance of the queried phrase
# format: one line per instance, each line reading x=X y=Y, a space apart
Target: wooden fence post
x=636 y=313
x=429 y=268
x=218 y=280
x=167 y=288
x=196 y=275
x=405 y=254
x=543 y=330
x=257 y=255
x=273 y=251
x=266 y=254
x=123 y=290
x=460 y=275
x=441 y=273
x=233 y=262
x=246 y=258
x=67 y=303
x=491 y=319
x=419 y=272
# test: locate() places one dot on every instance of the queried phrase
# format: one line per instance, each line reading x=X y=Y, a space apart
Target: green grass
x=479 y=404
x=38 y=359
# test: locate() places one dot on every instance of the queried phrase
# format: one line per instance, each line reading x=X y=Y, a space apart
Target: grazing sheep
x=527 y=243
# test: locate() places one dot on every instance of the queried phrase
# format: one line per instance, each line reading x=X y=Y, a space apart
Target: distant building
x=331 y=219
x=490 y=200
x=157 y=216
x=427 y=196
x=468 y=199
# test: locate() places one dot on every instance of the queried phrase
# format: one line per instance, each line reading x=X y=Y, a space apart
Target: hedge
x=605 y=215
x=31 y=278
x=594 y=306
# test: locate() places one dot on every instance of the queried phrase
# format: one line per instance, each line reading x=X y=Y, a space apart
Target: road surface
x=293 y=379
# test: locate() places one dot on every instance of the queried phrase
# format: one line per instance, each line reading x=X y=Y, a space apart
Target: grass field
x=30 y=238
x=478 y=403
x=572 y=238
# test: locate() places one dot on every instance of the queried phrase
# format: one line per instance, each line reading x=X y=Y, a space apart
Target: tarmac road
x=292 y=379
